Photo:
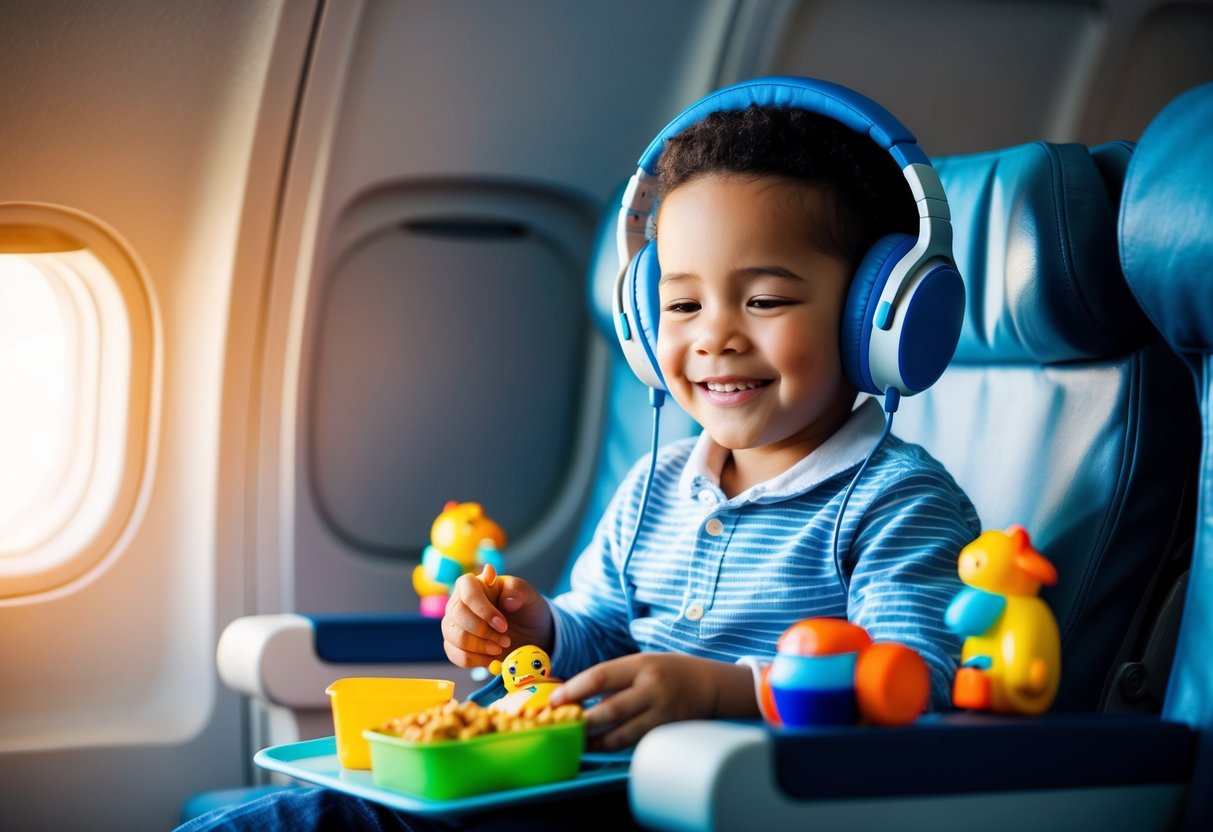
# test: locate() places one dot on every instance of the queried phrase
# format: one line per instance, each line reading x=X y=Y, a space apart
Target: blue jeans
x=304 y=810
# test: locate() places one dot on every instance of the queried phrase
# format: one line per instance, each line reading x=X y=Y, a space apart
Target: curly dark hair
x=870 y=195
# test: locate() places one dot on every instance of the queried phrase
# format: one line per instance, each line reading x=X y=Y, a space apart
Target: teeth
x=732 y=386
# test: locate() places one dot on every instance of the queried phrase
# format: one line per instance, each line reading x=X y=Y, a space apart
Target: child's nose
x=719 y=333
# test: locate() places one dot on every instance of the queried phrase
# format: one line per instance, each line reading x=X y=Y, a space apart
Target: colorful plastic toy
x=462 y=539
x=1011 y=658
x=828 y=671
x=527 y=676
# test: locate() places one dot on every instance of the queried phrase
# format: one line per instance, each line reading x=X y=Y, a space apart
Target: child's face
x=750 y=310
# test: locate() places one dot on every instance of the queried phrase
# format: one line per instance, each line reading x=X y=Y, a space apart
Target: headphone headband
x=858 y=112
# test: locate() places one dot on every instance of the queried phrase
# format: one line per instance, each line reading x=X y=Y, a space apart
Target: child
x=764 y=215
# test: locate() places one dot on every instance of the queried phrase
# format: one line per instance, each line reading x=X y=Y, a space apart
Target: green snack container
x=491 y=762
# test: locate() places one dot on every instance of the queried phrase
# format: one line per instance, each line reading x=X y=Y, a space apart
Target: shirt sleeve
x=591 y=618
x=902 y=568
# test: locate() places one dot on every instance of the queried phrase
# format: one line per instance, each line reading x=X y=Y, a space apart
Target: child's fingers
x=467 y=658
x=467 y=640
x=598 y=679
x=488 y=575
x=470 y=633
x=478 y=598
x=513 y=593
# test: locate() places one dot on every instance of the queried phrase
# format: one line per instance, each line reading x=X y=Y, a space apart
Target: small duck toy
x=1011 y=657
x=462 y=539
x=527 y=676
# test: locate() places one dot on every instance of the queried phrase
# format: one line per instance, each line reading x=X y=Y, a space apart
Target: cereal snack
x=460 y=749
x=456 y=720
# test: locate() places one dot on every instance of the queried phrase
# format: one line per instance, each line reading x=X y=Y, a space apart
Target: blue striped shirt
x=723 y=578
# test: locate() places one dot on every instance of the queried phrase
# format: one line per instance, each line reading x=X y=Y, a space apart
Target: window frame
x=100 y=283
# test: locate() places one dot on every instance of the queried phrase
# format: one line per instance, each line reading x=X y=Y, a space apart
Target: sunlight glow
x=36 y=375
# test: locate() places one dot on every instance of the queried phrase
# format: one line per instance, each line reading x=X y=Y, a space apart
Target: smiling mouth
x=732 y=386
x=732 y=392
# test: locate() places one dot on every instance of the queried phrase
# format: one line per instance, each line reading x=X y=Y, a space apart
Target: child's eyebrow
x=746 y=272
x=768 y=271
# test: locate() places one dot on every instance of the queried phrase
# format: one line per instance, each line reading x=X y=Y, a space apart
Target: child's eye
x=769 y=302
x=681 y=306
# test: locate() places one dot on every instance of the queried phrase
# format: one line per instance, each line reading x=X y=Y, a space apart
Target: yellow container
x=361 y=702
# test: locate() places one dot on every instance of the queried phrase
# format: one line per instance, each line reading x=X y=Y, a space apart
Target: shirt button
x=694 y=612
x=714 y=527
x=707 y=497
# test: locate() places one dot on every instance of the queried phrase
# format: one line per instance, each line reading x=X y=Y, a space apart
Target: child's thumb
x=515 y=593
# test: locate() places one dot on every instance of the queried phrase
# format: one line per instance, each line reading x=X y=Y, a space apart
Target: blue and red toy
x=828 y=671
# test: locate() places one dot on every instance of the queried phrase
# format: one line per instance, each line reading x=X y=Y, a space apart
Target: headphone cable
x=656 y=399
x=892 y=398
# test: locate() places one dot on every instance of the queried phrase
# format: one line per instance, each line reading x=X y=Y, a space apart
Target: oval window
x=74 y=382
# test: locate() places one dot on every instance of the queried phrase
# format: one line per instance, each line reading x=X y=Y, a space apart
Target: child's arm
x=487 y=613
x=645 y=690
x=902 y=574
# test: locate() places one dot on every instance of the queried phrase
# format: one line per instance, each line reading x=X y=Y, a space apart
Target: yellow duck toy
x=1011 y=658
x=462 y=539
x=527 y=676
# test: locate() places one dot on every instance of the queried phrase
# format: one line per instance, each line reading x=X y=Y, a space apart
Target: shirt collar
x=846 y=448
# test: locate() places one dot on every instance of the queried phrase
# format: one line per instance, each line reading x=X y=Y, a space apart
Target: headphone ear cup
x=934 y=316
x=644 y=309
x=855 y=332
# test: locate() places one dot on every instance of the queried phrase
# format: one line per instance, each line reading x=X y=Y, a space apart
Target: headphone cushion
x=855 y=331
x=934 y=316
x=644 y=272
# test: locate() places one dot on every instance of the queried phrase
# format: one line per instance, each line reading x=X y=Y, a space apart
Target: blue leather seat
x=1063 y=411
x=1166 y=250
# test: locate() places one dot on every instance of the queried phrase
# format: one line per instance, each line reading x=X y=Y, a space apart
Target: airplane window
x=66 y=357
x=39 y=373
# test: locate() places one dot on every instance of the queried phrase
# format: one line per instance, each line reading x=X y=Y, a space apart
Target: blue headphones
x=905 y=306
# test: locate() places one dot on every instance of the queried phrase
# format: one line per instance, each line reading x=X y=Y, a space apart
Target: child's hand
x=645 y=690
x=488 y=613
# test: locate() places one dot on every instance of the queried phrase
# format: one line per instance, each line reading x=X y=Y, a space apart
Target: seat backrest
x=1166 y=237
x=1062 y=410
x=1166 y=249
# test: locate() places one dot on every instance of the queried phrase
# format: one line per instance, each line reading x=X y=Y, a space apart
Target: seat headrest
x=1166 y=222
x=1035 y=240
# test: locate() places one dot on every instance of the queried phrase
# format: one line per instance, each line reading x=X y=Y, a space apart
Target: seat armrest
x=289 y=659
x=940 y=773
